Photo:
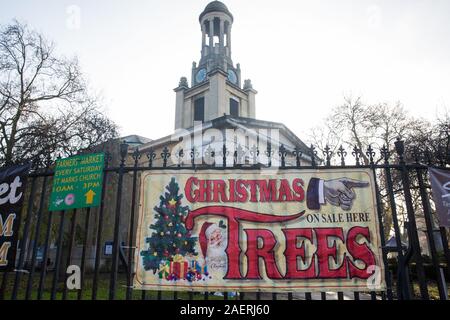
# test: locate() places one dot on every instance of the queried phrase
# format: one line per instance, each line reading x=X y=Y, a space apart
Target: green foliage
x=170 y=236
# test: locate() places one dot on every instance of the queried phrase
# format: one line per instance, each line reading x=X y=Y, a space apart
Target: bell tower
x=215 y=23
x=216 y=88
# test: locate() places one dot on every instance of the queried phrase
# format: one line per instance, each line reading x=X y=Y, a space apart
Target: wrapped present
x=164 y=270
x=201 y=269
x=179 y=267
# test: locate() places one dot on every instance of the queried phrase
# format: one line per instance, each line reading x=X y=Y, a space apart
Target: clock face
x=201 y=75
x=232 y=76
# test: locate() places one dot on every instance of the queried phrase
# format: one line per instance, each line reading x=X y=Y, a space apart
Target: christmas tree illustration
x=170 y=236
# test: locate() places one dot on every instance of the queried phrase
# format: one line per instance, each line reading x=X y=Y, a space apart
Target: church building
x=218 y=107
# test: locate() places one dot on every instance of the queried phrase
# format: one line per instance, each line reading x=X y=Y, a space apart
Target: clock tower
x=216 y=88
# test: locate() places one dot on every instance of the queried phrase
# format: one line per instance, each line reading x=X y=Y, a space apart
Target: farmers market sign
x=77 y=182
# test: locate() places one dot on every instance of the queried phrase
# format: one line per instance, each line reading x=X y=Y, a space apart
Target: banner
x=440 y=186
x=230 y=230
x=12 y=190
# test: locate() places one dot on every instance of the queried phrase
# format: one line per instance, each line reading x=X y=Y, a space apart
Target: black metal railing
x=49 y=240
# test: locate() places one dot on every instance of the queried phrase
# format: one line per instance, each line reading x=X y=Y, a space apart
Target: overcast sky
x=302 y=56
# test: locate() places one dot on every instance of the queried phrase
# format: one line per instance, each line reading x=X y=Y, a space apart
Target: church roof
x=135 y=139
x=227 y=121
x=216 y=6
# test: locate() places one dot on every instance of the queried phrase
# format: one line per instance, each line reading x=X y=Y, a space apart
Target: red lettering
x=191 y=197
x=267 y=190
x=232 y=191
x=241 y=191
x=285 y=193
x=298 y=188
x=254 y=252
x=359 y=252
x=219 y=190
x=233 y=216
x=261 y=244
x=324 y=252
x=252 y=184
x=292 y=252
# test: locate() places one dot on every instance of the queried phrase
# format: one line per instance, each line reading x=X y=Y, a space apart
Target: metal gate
x=100 y=241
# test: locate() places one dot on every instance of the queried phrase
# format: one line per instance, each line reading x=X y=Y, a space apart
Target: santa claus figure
x=213 y=242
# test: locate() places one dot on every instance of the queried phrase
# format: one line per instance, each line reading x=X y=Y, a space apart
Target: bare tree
x=350 y=124
x=45 y=104
x=356 y=124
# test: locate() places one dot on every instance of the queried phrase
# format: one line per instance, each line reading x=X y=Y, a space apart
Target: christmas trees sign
x=231 y=230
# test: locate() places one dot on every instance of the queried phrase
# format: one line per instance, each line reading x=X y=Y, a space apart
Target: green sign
x=77 y=182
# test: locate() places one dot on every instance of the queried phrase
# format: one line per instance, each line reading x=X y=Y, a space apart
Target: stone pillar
x=194 y=69
x=211 y=35
x=248 y=88
x=229 y=39
x=203 y=35
x=179 y=102
x=221 y=37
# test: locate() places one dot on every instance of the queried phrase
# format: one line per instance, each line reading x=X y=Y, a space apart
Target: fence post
x=298 y=154
x=430 y=234
x=58 y=255
x=402 y=281
x=412 y=227
x=98 y=240
x=116 y=244
x=131 y=248
x=23 y=244
x=37 y=232
x=370 y=154
x=45 y=256
x=70 y=249
x=83 y=254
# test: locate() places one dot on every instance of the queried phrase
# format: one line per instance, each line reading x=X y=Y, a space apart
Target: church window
x=199 y=109
x=234 y=108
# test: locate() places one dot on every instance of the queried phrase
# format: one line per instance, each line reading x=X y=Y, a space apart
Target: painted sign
x=12 y=192
x=77 y=182
x=303 y=230
x=440 y=185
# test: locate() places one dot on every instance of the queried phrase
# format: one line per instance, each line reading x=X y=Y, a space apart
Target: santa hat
x=204 y=234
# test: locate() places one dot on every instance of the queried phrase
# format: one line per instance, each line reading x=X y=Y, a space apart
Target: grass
x=433 y=290
x=102 y=289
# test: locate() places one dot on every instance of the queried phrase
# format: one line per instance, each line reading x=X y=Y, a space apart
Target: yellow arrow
x=89 y=196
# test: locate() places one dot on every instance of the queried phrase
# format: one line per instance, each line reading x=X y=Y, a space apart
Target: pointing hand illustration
x=339 y=192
